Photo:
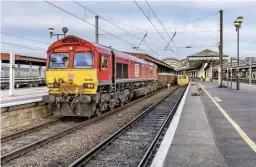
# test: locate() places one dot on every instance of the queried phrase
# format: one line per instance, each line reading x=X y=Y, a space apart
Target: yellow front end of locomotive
x=72 y=81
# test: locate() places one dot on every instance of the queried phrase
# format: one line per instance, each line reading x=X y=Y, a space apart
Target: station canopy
x=26 y=60
x=205 y=56
x=196 y=61
x=243 y=63
x=147 y=57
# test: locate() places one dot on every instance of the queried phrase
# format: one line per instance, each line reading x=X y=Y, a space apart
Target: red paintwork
x=79 y=44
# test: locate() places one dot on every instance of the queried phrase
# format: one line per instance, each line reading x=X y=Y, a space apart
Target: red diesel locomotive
x=86 y=79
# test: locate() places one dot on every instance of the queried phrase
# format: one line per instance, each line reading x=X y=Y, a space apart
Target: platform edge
x=158 y=161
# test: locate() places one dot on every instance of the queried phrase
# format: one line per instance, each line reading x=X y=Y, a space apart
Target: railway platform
x=23 y=106
x=22 y=96
x=215 y=129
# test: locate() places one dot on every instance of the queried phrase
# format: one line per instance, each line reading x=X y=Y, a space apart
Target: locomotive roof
x=123 y=55
x=71 y=39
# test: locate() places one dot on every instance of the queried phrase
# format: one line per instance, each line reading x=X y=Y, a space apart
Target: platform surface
x=23 y=94
x=240 y=106
x=205 y=137
x=193 y=143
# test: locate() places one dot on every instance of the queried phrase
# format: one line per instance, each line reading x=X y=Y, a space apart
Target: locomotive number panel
x=137 y=70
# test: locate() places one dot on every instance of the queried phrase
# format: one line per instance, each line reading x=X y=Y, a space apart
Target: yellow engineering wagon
x=183 y=80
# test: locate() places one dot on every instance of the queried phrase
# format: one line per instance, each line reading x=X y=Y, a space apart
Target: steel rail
x=14 y=154
x=26 y=131
x=88 y=156
x=148 y=155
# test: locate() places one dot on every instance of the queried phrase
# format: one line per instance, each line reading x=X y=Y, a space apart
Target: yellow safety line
x=235 y=125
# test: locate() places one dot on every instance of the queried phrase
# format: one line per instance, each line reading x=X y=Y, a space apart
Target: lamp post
x=220 y=71
x=250 y=71
x=231 y=73
x=237 y=24
x=51 y=31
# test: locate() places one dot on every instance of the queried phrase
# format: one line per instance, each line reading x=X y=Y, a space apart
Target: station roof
x=26 y=60
x=242 y=63
x=151 y=59
x=205 y=56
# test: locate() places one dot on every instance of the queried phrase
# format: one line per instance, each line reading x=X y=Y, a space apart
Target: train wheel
x=126 y=99
x=98 y=112
x=121 y=102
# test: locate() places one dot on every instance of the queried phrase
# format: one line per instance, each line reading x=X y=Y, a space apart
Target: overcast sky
x=31 y=19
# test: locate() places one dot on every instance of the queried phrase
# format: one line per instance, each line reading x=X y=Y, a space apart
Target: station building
x=206 y=64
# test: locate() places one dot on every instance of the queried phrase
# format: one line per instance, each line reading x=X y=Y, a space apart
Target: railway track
x=26 y=131
x=24 y=141
x=19 y=151
x=135 y=143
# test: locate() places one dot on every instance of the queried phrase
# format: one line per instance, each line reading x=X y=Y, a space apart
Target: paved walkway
x=23 y=94
x=193 y=144
x=216 y=129
x=235 y=136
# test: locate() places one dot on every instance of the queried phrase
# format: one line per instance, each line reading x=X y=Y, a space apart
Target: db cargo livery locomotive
x=86 y=79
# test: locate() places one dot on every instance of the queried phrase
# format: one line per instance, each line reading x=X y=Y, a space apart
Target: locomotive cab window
x=83 y=60
x=59 y=60
x=104 y=62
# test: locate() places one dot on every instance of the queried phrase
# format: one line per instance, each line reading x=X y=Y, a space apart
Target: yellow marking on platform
x=235 y=125
x=217 y=99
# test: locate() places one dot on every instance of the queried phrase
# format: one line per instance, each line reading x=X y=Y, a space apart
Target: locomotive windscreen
x=83 y=60
x=59 y=60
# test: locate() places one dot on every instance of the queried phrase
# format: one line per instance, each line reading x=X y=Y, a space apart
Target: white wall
x=200 y=72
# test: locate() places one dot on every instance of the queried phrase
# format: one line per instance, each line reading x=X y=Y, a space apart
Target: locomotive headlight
x=91 y=85
x=88 y=85
x=61 y=80
x=50 y=85
x=53 y=85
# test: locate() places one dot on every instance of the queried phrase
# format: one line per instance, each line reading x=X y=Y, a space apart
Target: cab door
x=105 y=69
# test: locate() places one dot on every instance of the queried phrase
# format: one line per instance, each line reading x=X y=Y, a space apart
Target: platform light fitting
x=51 y=31
x=236 y=24
x=240 y=19
x=64 y=30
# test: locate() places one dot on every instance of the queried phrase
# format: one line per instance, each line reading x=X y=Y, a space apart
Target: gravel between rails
x=28 y=125
x=32 y=137
x=142 y=131
x=67 y=149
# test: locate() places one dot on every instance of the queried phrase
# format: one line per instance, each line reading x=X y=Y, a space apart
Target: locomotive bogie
x=89 y=105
